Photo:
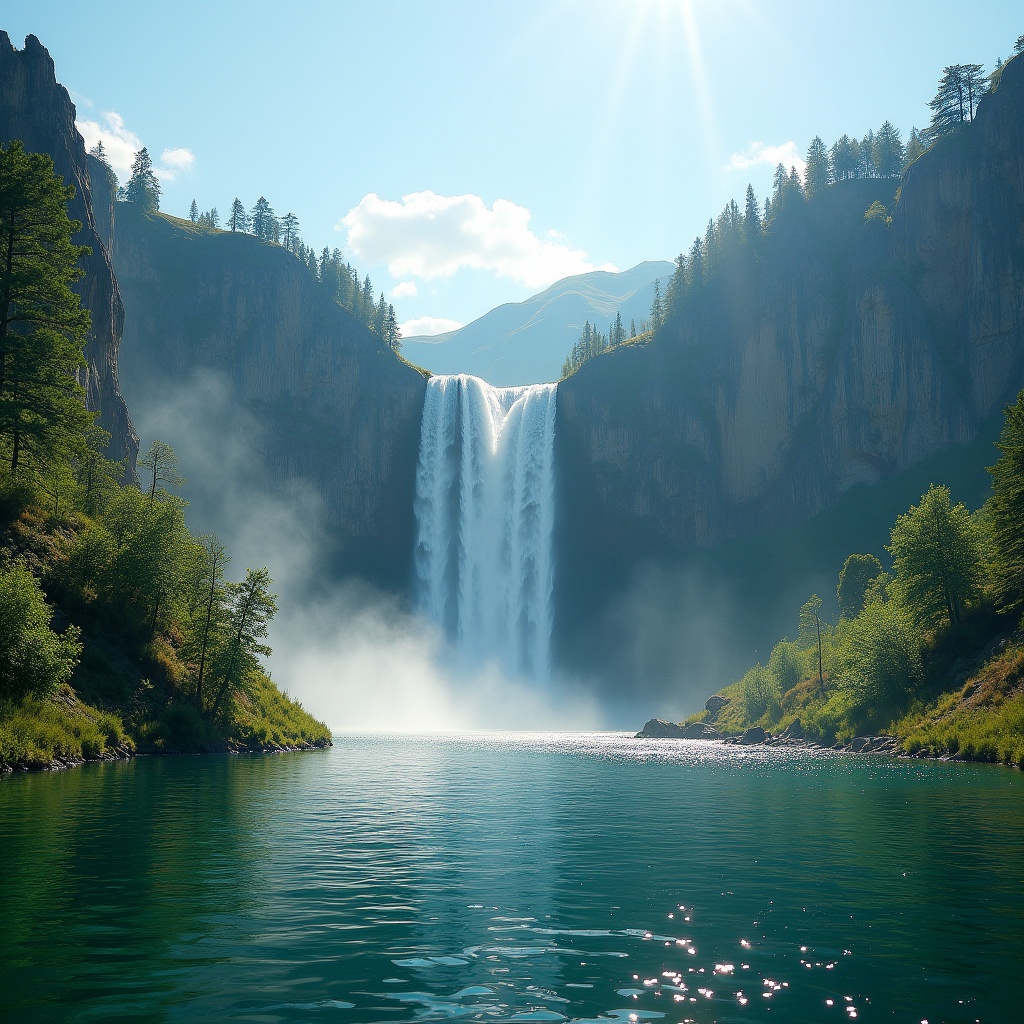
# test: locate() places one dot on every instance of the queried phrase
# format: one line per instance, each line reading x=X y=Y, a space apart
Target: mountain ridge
x=540 y=329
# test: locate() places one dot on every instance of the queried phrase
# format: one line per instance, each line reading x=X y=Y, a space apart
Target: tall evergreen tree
x=1006 y=509
x=239 y=219
x=263 y=221
x=657 y=307
x=889 y=154
x=816 y=176
x=915 y=147
x=290 y=231
x=193 y=212
x=143 y=186
x=844 y=160
x=960 y=89
x=751 y=217
x=42 y=324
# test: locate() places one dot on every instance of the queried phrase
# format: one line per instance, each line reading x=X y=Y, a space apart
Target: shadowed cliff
x=272 y=393
x=844 y=354
x=37 y=110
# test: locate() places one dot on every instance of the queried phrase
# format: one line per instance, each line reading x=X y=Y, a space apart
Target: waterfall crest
x=484 y=509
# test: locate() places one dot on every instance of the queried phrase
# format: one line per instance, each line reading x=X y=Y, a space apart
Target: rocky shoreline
x=125 y=753
x=792 y=736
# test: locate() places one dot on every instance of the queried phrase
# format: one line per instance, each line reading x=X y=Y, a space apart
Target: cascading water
x=485 y=497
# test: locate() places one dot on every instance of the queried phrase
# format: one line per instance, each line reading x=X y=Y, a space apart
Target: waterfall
x=484 y=510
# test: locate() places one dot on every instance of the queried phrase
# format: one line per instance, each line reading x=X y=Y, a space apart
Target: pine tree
x=751 y=217
x=657 y=309
x=239 y=219
x=844 y=161
x=816 y=176
x=43 y=326
x=1006 y=509
x=915 y=147
x=193 y=212
x=1018 y=46
x=289 y=231
x=889 y=154
x=263 y=221
x=960 y=90
x=143 y=186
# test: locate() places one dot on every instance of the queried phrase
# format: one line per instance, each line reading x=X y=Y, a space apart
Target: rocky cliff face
x=849 y=352
x=272 y=393
x=39 y=112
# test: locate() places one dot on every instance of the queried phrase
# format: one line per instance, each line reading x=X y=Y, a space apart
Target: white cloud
x=430 y=236
x=759 y=153
x=403 y=289
x=427 y=326
x=121 y=145
x=175 y=161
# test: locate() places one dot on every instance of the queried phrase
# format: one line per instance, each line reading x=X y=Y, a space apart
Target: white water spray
x=485 y=497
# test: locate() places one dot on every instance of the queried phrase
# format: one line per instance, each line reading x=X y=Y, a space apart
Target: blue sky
x=466 y=153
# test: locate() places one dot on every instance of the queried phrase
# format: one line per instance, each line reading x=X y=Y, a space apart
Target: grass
x=981 y=721
x=38 y=731
x=980 y=718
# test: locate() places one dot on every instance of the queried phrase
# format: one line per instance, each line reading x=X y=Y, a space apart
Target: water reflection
x=513 y=878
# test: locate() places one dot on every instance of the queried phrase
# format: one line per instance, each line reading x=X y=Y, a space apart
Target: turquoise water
x=511 y=877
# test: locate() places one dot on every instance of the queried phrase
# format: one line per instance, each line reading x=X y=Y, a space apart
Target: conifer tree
x=816 y=176
x=915 y=147
x=889 y=154
x=1006 y=509
x=143 y=186
x=43 y=326
x=262 y=220
x=751 y=217
x=193 y=212
x=657 y=307
x=290 y=231
x=239 y=219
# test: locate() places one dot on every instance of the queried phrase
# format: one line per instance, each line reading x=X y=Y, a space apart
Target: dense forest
x=930 y=651
x=119 y=630
x=338 y=277
x=737 y=234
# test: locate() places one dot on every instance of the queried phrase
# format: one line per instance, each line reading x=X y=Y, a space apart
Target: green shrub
x=33 y=658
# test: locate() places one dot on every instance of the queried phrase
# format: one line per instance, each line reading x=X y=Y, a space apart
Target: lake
x=514 y=877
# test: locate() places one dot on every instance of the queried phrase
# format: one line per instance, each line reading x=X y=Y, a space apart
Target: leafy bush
x=33 y=658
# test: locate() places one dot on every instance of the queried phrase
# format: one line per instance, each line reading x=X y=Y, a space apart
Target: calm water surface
x=511 y=877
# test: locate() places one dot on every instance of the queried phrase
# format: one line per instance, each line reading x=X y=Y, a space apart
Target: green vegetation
x=933 y=652
x=118 y=628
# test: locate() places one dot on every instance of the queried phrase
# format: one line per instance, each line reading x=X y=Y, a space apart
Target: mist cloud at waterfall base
x=363 y=663
x=354 y=656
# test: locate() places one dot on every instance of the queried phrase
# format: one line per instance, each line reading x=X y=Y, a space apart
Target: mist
x=355 y=657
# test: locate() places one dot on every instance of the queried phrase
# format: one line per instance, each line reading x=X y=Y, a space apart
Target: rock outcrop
x=847 y=352
x=659 y=729
x=270 y=391
x=37 y=110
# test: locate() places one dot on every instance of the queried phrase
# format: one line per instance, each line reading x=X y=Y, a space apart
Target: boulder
x=716 y=703
x=700 y=731
x=659 y=729
x=755 y=734
x=793 y=731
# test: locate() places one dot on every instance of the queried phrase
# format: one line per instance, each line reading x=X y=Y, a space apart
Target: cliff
x=846 y=353
x=271 y=392
x=37 y=110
